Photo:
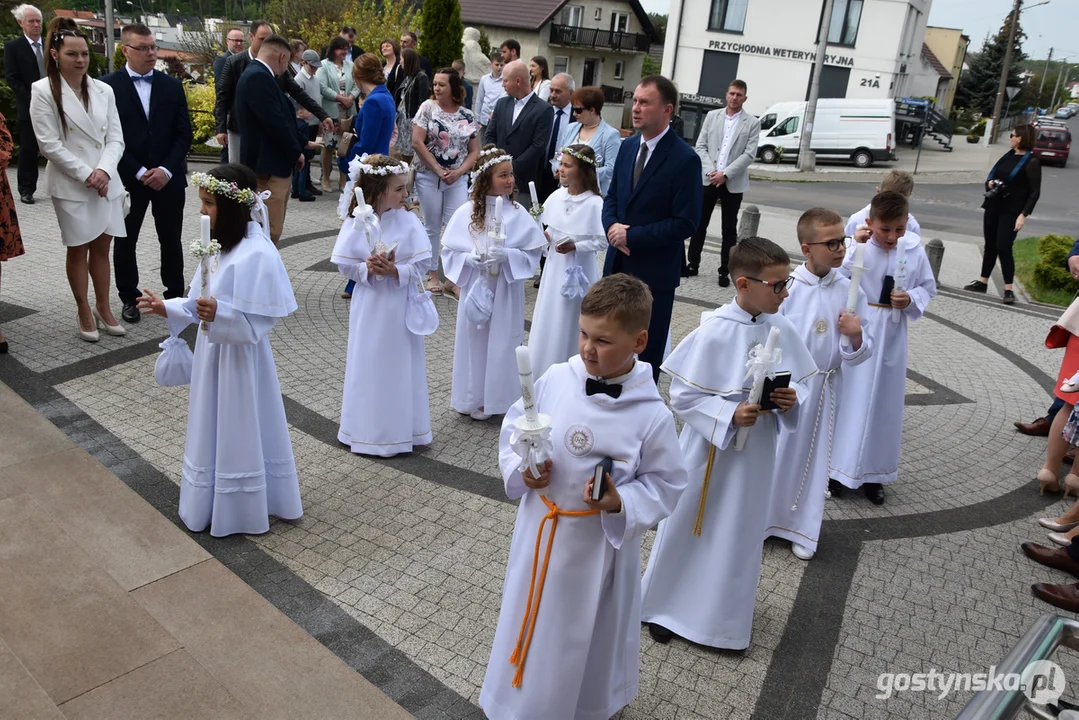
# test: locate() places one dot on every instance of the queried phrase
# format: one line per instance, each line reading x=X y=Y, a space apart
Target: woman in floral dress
x=10 y=237
x=444 y=138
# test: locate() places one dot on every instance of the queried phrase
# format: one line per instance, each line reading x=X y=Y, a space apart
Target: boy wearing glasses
x=869 y=424
x=701 y=581
x=817 y=308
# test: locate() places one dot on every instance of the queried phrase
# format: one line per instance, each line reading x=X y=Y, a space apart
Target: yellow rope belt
x=704 y=490
x=520 y=651
x=887 y=307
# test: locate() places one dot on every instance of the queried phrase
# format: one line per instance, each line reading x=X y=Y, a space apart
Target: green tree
x=485 y=42
x=442 y=30
x=650 y=66
x=978 y=86
x=660 y=23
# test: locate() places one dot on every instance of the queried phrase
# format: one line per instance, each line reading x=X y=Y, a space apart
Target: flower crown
x=231 y=190
x=579 y=155
x=499 y=157
x=366 y=168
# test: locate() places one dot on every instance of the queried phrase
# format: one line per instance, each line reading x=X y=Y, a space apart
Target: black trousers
x=658 y=327
x=167 y=207
x=1073 y=551
x=730 y=204
x=999 y=231
x=27 y=176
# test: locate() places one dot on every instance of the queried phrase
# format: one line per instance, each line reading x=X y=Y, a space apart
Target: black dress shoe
x=724 y=279
x=976 y=286
x=1038 y=428
x=836 y=488
x=307 y=198
x=314 y=190
x=659 y=633
x=26 y=198
x=1009 y=297
x=875 y=493
x=3 y=347
x=294 y=196
x=131 y=313
x=690 y=271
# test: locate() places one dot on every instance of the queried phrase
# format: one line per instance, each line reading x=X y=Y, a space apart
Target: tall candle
x=204 y=293
x=360 y=201
x=856 y=270
x=765 y=361
x=532 y=192
x=528 y=390
x=900 y=273
x=498 y=212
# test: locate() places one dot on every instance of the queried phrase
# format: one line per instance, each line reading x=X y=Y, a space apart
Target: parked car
x=1052 y=144
x=1064 y=113
x=862 y=131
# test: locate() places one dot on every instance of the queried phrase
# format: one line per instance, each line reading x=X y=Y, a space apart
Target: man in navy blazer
x=157 y=135
x=520 y=124
x=270 y=146
x=24 y=64
x=652 y=206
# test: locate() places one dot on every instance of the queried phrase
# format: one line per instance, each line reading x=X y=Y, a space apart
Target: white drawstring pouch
x=173 y=366
x=421 y=315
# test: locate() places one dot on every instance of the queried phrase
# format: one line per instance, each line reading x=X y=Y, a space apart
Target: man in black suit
x=228 y=133
x=520 y=124
x=157 y=135
x=271 y=146
x=24 y=64
x=234 y=41
x=348 y=33
x=409 y=40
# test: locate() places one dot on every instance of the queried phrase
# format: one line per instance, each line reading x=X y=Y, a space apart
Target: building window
x=619 y=22
x=717 y=71
x=572 y=15
x=729 y=15
x=561 y=64
x=599 y=14
x=846 y=14
x=619 y=70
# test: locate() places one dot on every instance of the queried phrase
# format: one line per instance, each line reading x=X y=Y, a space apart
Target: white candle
x=900 y=272
x=528 y=390
x=760 y=371
x=360 y=201
x=204 y=293
x=498 y=211
x=205 y=226
x=532 y=192
x=856 y=270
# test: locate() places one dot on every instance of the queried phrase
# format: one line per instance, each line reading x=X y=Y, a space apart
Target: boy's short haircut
x=813 y=219
x=900 y=181
x=888 y=205
x=623 y=297
x=753 y=254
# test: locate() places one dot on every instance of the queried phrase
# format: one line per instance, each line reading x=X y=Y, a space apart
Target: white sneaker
x=478 y=415
x=802 y=552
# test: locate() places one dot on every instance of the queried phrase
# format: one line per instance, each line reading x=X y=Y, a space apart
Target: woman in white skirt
x=78 y=131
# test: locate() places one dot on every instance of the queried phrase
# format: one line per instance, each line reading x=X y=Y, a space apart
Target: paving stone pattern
x=397 y=565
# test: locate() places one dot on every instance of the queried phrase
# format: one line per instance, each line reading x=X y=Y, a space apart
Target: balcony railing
x=598 y=39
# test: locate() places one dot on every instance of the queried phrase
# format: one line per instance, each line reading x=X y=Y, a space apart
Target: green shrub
x=485 y=42
x=1051 y=272
x=200 y=104
x=979 y=129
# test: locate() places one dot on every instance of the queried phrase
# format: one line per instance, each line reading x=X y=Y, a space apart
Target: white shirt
x=266 y=66
x=730 y=122
x=40 y=42
x=518 y=105
x=652 y=145
x=143 y=90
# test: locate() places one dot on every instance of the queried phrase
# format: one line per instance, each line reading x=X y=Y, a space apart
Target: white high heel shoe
x=114 y=330
x=91 y=336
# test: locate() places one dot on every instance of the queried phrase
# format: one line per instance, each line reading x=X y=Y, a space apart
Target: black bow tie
x=591 y=387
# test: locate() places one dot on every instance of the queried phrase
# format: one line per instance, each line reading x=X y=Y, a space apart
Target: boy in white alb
x=817 y=307
x=869 y=424
x=898 y=181
x=701 y=581
x=574 y=656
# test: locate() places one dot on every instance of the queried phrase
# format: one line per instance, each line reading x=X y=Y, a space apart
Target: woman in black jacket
x=414 y=87
x=1012 y=191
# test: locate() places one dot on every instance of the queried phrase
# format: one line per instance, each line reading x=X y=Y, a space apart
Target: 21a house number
x=870 y=82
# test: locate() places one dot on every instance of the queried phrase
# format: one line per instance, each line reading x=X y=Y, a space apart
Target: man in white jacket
x=727 y=145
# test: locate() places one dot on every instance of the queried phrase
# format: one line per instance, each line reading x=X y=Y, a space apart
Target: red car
x=1052 y=145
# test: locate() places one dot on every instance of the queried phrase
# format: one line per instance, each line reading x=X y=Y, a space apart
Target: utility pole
x=1057 y=90
x=807 y=162
x=1044 y=73
x=998 y=105
x=108 y=34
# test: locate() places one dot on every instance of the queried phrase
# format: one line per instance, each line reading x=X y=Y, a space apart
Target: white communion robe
x=238 y=464
x=484 y=365
x=703 y=587
x=556 y=318
x=859 y=218
x=869 y=424
x=801 y=476
x=385 y=408
x=582 y=661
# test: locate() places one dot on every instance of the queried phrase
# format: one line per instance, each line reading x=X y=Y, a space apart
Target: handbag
x=1065 y=327
x=403 y=121
x=421 y=316
x=173 y=366
x=344 y=147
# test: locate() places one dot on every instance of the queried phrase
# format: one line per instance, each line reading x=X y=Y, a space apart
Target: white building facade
x=874 y=48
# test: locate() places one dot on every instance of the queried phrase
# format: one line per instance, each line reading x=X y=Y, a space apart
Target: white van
x=860 y=130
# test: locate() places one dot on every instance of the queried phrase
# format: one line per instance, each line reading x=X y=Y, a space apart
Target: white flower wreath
x=490 y=164
x=579 y=155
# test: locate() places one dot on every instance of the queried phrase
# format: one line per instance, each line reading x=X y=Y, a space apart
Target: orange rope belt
x=520 y=651
x=704 y=490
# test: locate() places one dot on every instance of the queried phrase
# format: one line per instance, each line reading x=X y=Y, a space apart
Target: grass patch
x=1026 y=258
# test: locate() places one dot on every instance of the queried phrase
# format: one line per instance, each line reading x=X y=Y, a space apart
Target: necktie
x=553 y=145
x=143 y=78
x=591 y=387
x=642 y=158
x=40 y=58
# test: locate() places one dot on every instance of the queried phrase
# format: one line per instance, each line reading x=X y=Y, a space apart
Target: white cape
x=484 y=365
x=385 y=408
x=556 y=319
x=704 y=587
x=238 y=463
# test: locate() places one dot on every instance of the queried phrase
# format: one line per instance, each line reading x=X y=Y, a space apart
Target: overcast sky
x=1054 y=25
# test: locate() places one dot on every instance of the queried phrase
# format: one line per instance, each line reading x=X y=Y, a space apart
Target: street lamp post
x=806 y=160
x=108 y=35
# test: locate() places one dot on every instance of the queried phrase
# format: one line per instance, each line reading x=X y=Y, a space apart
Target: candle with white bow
x=495 y=236
x=204 y=293
x=856 y=270
x=761 y=364
x=900 y=273
x=535 y=428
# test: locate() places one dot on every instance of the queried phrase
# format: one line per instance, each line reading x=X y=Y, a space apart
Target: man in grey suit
x=520 y=124
x=727 y=145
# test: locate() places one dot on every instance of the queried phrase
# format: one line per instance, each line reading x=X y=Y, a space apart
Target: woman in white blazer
x=592 y=130
x=339 y=95
x=78 y=131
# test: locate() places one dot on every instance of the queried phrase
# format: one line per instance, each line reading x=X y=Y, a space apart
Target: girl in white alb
x=490 y=247
x=386 y=251
x=573 y=215
x=238 y=464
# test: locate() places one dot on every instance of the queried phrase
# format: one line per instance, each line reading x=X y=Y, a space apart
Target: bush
x=118 y=59
x=1051 y=272
x=440 y=41
x=485 y=42
x=200 y=105
x=979 y=129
